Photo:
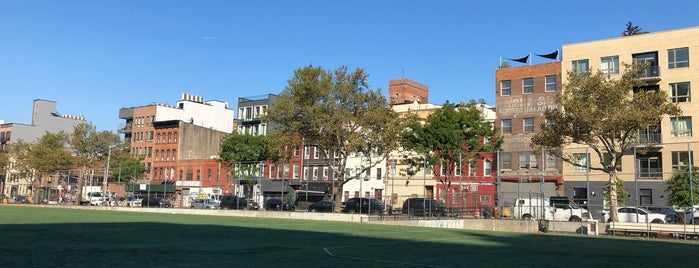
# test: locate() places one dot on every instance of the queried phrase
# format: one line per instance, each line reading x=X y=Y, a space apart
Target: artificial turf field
x=59 y=237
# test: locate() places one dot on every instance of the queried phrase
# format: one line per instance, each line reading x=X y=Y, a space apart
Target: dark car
x=233 y=202
x=322 y=206
x=366 y=205
x=277 y=204
x=21 y=199
x=672 y=216
x=423 y=207
x=155 y=202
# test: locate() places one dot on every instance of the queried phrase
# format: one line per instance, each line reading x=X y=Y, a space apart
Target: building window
x=190 y=175
x=550 y=83
x=174 y=153
x=681 y=126
x=527 y=160
x=580 y=162
x=316 y=153
x=306 y=152
x=368 y=174
x=528 y=124
x=581 y=66
x=457 y=170
x=506 y=125
x=550 y=161
x=487 y=169
x=472 y=168
x=607 y=159
x=506 y=88
x=650 y=165
x=680 y=92
x=681 y=159
x=505 y=161
x=678 y=58
x=645 y=196
x=198 y=175
x=174 y=137
x=315 y=173
x=527 y=85
x=610 y=65
x=297 y=151
x=580 y=196
x=378 y=173
x=208 y=174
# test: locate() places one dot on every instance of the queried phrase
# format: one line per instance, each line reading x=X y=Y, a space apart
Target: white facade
x=371 y=182
x=193 y=109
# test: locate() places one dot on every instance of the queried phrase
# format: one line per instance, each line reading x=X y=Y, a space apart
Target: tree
x=339 y=114
x=90 y=146
x=47 y=155
x=604 y=113
x=679 y=187
x=633 y=29
x=452 y=136
x=243 y=153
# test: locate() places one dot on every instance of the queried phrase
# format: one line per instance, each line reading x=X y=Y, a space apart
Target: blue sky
x=95 y=57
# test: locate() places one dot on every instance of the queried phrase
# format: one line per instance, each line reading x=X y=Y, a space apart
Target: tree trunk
x=613 y=204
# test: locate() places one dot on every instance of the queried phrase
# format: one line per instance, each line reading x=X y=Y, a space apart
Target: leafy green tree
x=452 y=136
x=243 y=153
x=621 y=193
x=679 y=187
x=91 y=147
x=47 y=155
x=604 y=113
x=338 y=113
x=4 y=162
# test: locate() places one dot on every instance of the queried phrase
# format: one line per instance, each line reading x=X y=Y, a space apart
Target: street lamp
x=106 y=175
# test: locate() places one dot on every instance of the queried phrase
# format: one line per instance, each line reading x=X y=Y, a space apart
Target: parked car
x=322 y=206
x=366 y=205
x=156 y=202
x=635 y=214
x=233 y=202
x=21 y=199
x=277 y=204
x=134 y=200
x=423 y=206
x=204 y=204
x=672 y=216
x=692 y=215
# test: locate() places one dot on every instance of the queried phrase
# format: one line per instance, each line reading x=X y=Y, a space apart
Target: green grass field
x=57 y=237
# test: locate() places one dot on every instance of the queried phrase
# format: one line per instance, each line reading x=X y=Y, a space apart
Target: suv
x=233 y=202
x=423 y=207
x=366 y=205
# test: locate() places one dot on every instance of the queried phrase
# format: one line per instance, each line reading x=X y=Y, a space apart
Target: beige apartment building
x=673 y=57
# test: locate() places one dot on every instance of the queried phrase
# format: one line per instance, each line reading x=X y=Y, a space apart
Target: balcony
x=645 y=138
x=251 y=121
x=650 y=173
x=124 y=128
x=650 y=73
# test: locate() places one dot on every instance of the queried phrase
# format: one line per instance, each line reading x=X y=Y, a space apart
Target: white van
x=556 y=208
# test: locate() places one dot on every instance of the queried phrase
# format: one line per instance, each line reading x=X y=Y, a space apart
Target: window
x=527 y=160
x=506 y=125
x=580 y=162
x=305 y=173
x=645 y=196
x=306 y=152
x=678 y=58
x=550 y=161
x=208 y=174
x=681 y=159
x=315 y=173
x=527 y=85
x=505 y=161
x=581 y=66
x=297 y=151
x=528 y=124
x=610 y=65
x=551 y=83
x=325 y=173
x=681 y=126
x=487 y=169
x=472 y=168
x=378 y=173
x=457 y=170
x=316 y=152
x=607 y=159
x=368 y=174
x=505 y=88
x=580 y=196
x=680 y=92
x=650 y=165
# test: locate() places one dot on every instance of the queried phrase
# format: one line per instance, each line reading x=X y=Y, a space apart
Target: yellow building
x=673 y=57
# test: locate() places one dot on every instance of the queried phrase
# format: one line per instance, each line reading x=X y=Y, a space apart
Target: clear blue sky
x=95 y=57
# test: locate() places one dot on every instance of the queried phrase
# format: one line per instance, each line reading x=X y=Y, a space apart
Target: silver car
x=204 y=204
x=635 y=214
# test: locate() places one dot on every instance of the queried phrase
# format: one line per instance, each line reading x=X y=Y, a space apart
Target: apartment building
x=522 y=96
x=45 y=118
x=139 y=126
x=673 y=57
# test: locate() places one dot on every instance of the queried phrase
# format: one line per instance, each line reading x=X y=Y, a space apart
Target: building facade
x=522 y=96
x=672 y=57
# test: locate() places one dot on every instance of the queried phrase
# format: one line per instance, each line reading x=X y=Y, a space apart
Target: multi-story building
x=522 y=96
x=45 y=118
x=139 y=130
x=672 y=57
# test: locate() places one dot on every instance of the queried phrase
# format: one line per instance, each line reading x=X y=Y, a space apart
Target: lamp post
x=106 y=175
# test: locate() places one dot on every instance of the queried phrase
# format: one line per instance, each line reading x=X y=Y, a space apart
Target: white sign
x=188 y=183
